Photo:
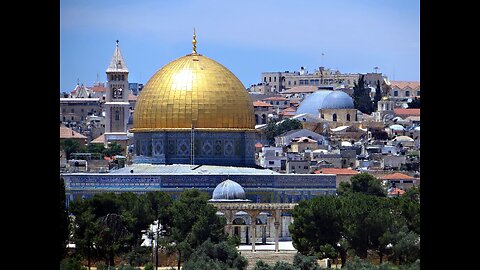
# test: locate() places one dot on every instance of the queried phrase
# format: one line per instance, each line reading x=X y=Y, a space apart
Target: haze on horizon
x=248 y=37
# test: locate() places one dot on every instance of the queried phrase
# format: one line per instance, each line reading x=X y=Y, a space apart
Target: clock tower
x=116 y=104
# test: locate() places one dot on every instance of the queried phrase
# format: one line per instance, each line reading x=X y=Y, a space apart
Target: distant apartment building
x=404 y=89
x=76 y=110
x=281 y=81
x=273 y=158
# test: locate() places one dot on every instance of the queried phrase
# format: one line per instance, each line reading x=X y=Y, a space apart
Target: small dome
x=397 y=127
x=338 y=100
x=229 y=191
x=312 y=103
x=403 y=139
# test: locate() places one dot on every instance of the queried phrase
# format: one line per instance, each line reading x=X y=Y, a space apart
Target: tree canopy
x=361 y=96
x=274 y=130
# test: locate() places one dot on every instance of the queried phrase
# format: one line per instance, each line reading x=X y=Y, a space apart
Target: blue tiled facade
x=209 y=148
x=275 y=188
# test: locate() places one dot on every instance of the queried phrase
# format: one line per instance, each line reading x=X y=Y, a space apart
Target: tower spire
x=194 y=42
x=117 y=63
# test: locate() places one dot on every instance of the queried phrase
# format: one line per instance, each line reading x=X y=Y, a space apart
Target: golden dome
x=193 y=90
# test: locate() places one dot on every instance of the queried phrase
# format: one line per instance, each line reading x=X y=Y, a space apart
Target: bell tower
x=116 y=104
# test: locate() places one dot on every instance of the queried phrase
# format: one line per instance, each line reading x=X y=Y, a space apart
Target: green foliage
x=378 y=96
x=284 y=266
x=361 y=96
x=317 y=222
x=138 y=256
x=344 y=188
x=149 y=266
x=261 y=265
x=303 y=262
x=95 y=148
x=274 y=130
x=367 y=184
x=215 y=256
x=103 y=266
x=414 y=104
x=71 y=264
x=71 y=146
x=234 y=240
x=127 y=267
x=114 y=149
x=64 y=221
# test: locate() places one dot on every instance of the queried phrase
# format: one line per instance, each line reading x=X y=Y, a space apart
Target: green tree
x=377 y=97
x=71 y=264
x=361 y=96
x=70 y=146
x=367 y=184
x=367 y=221
x=113 y=236
x=261 y=265
x=194 y=221
x=85 y=229
x=274 y=128
x=64 y=223
x=114 y=149
x=414 y=104
x=215 y=256
x=318 y=222
x=303 y=262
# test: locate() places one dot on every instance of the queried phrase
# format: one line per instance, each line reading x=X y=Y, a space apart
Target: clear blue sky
x=247 y=36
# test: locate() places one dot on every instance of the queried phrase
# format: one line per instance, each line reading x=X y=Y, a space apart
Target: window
x=72 y=118
x=117 y=115
x=294 y=82
x=289 y=83
x=270 y=162
x=72 y=110
x=407 y=93
x=317 y=82
x=123 y=77
x=82 y=110
x=265 y=79
x=395 y=93
x=285 y=103
x=312 y=82
x=418 y=93
x=348 y=117
x=301 y=82
x=274 y=79
x=334 y=117
x=269 y=79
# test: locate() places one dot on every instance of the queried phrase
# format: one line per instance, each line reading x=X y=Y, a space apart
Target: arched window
x=407 y=93
x=334 y=117
x=264 y=119
x=395 y=93
x=256 y=119
x=123 y=77
x=348 y=117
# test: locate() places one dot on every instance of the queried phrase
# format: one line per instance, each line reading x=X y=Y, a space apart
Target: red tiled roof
x=258 y=103
x=400 y=111
x=99 y=139
x=405 y=84
x=396 y=191
x=131 y=97
x=339 y=171
x=396 y=176
x=258 y=145
x=68 y=133
x=97 y=88
x=275 y=98
x=301 y=89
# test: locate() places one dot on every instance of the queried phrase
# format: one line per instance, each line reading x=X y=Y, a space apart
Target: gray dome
x=313 y=102
x=338 y=100
x=229 y=190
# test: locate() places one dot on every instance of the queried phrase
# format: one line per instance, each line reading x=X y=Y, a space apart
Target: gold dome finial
x=194 y=42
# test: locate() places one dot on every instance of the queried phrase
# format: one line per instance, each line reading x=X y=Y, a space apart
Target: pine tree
x=361 y=96
x=378 y=96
